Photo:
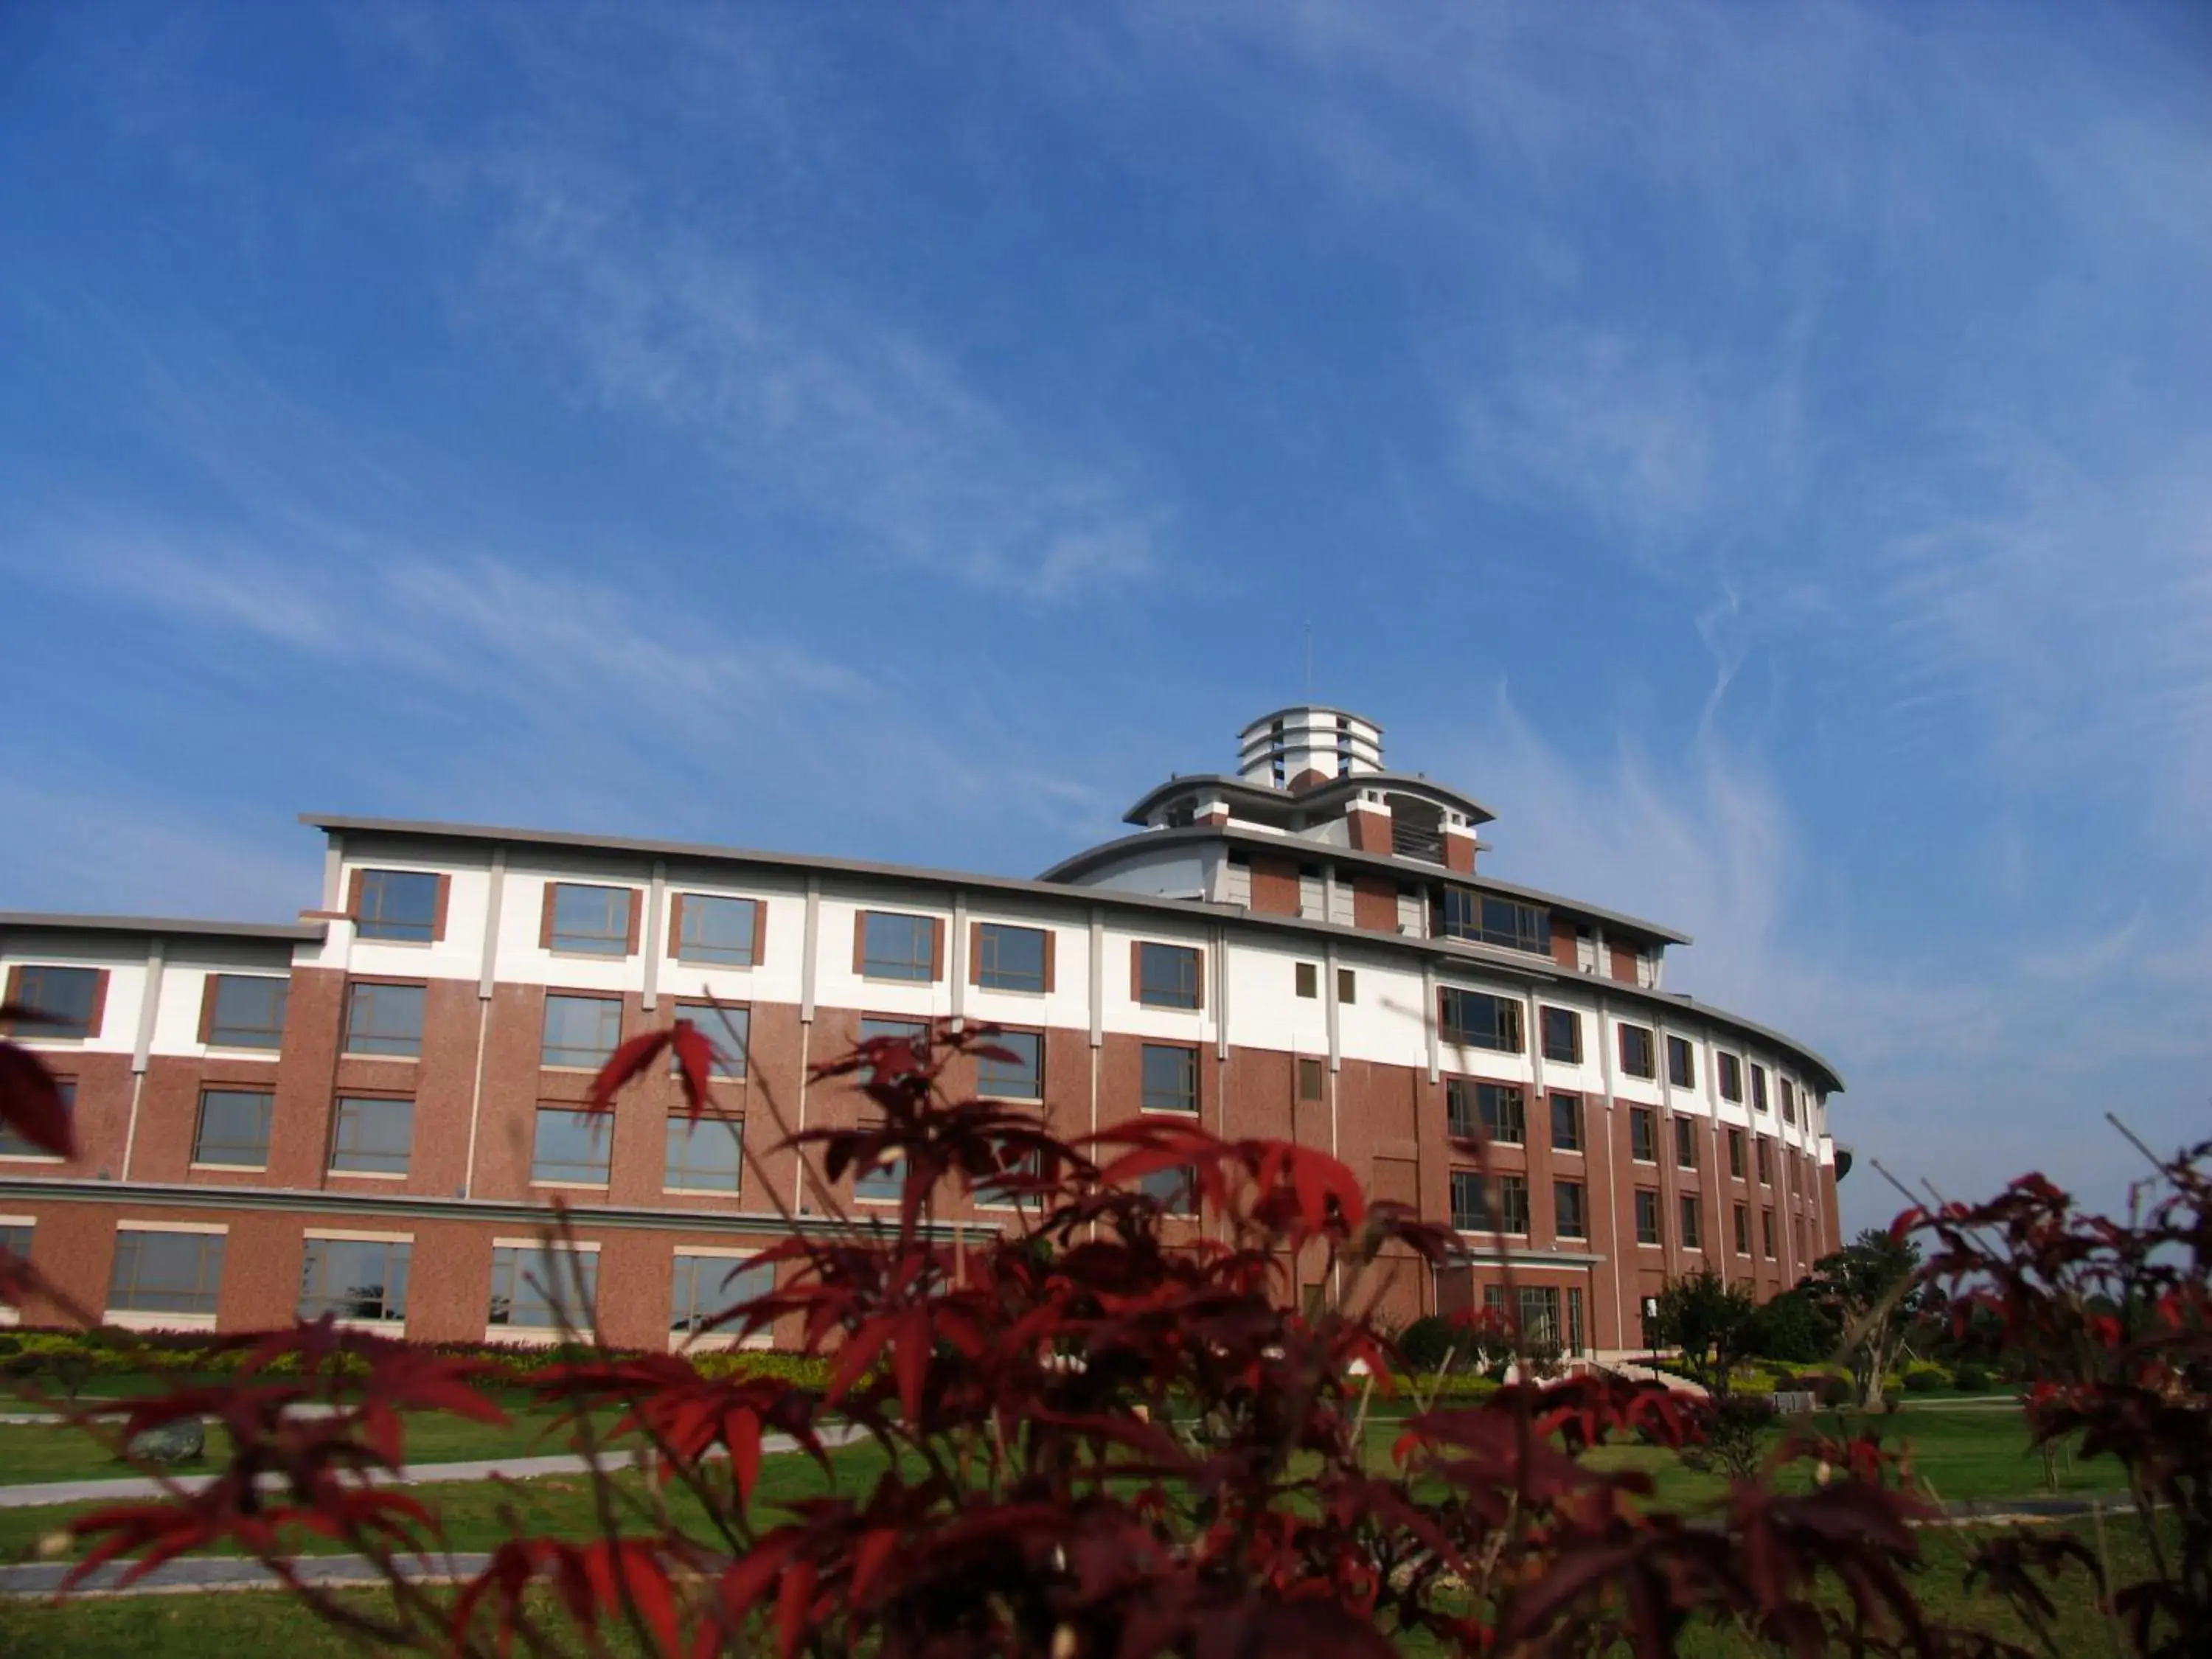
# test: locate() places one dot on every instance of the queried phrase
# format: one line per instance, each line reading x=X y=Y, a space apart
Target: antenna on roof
x=1309 y=661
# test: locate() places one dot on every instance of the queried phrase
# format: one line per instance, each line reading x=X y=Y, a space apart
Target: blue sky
x=1765 y=452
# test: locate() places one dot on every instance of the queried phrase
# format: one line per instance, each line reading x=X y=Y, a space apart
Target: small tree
x=1871 y=1288
x=1793 y=1327
x=1710 y=1321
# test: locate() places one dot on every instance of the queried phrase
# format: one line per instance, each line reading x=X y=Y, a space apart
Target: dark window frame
x=1691 y=1217
x=1649 y=1233
x=728 y=1026
x=576 y=1057
x=1164 y=976
x=356 y=1108
x=1731 y=1077
x=371 y=898
x=995 y=1080
x=1681 y=1063
x=207 y=1154
x=1642 y=1135
x=1686 y=1143
x=222 y=1029
x=1573 y=1105
x=1152 y=1096
x=522 y=1272
x=991 y=973
x=1501 y=1033
x=127 y=1275
x=598 y=1130
x=1551 y=1019
x=1638 y=1051
x=380 y=1041
x=612 y=930
x=1569 y=1220
x=681 y=1173
x=69 y=1020
x=690 y=941
x=911 y=959
x=347 y=1304
x=693 y=1306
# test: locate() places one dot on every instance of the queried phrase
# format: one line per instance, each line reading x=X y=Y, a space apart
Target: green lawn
x=221 y=1627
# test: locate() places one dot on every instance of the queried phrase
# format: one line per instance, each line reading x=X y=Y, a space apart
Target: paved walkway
x=493 y=1469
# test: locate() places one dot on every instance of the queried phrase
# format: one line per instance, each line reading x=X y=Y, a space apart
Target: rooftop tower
x=1298 y=747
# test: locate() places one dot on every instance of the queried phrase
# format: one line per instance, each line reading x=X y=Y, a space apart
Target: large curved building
x=365 y=1111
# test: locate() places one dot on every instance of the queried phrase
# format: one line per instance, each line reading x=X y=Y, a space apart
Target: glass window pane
x=1010 y=958
x=898 y=947
x=1167 y=975
x=15 y=1144
x=384 y=1019
x=371 y=1135
x=397 y=905
x=705 y=1155
x=708 y=1286
x=165 y=1273
x=1175 y=1189
x=718 y=930
x=16 y=1239
x=571 y=1146
x=881 y=1180
x=1567 y=1123
x=1569 y=1217
x=543 y=1289
x=593 y=920
x=1170 y=1079
x=1021 y=1078
x=354 y=1279
x=64 y=995
x=581 y=1031
x=233 y=1127
x=728 y=1028
x=248 y=1012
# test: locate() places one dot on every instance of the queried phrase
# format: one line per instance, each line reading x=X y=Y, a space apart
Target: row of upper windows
x=1476 y=1110
x=180 y=1273
x=1483 y=1203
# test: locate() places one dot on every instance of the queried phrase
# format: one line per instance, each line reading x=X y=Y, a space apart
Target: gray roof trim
x=1068 y=868
x=1446 y=952
x=516 y=1211
x=1282 y=800
x=1476 y=1254
x=176 y=927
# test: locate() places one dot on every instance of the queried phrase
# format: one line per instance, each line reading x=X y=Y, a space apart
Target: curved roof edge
x=1282 y=800
x=1445 y=951
x=1068 y=868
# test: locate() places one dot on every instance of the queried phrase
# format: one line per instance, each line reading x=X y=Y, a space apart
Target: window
x=1635 y=1050
x=1567 y=1123
x=1175 y=1189
x=909 y=1031
x=1766 y=1232
x=1693 y=1232
x=1478 y=1020
x=1470 y=1206
x=592 y=921
x=384 y=1019
x=354 y=1279
x=709 y=1286
x=1308 y=978
x=883 y=1181
x=1347 y=985
x=1494 y=920
x=371 y=1135
x=538 y=1287
x=1681 y=1064
x=571 y=1147
x=729 y=1030
x=1731 y=1077
x=1765 y=1170
x=581 y=1031
x=722 y=930
x=1758 y=1088
x=1539 y=1309
x=12 y=1141
x=1311 y=1078
x=706 y=1154
x=396 y=904
x=244 y=1011
x=1012 y=958
x=16 y=1239
x=1642 y=1141
x=898 y=947
x=1686 y=1144
x=70 y=998
x=1574 y=1319
x=1170 y=1079
x=1167 y=975
x=1789 y=1102
x=1562 y=1034
x=1021 y=1078
x=166 y=1273
x=1743 y=1229
x=1570 y=1211
x=232 y=1128
x=1647 y=1216
x=1502 y=1113
x=1735 y=1153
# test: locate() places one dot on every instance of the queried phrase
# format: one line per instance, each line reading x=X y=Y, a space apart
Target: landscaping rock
x=181 y=1441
